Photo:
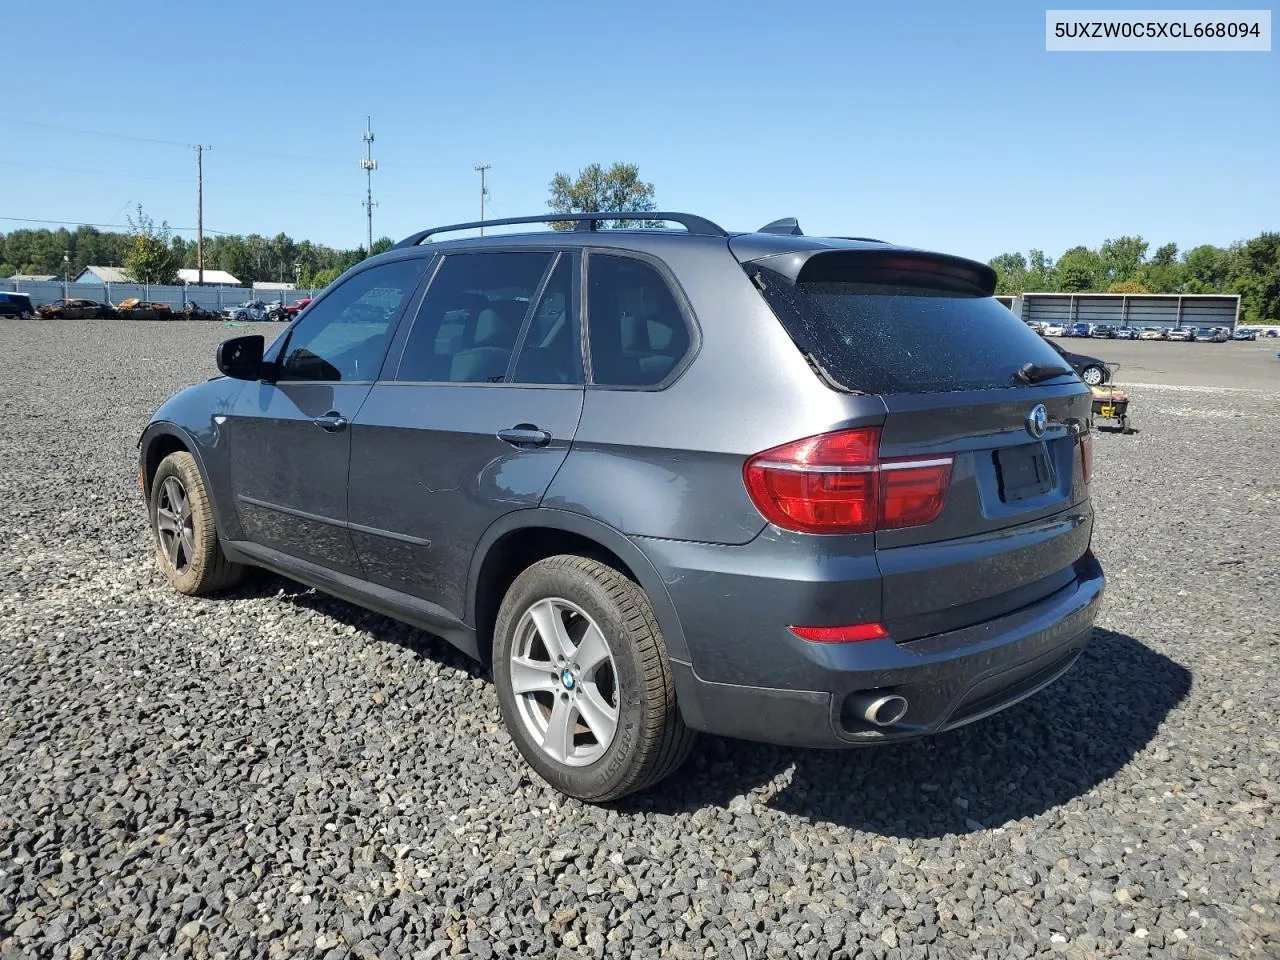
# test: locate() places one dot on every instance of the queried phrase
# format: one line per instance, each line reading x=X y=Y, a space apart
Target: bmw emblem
x=567 y=679
x=1037 y=421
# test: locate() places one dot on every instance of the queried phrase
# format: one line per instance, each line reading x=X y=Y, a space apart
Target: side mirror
x=241 y=357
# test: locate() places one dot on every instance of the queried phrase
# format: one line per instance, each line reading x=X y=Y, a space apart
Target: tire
x=631 y=677
x=190 y=558
x=1093 y=375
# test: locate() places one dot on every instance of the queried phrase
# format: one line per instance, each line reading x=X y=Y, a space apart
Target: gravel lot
x=278 y=773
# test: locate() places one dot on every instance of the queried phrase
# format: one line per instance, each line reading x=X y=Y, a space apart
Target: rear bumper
x=948 y=679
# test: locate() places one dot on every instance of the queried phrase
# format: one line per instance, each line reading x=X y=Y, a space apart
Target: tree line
x=152 y=254
x=1250 y=268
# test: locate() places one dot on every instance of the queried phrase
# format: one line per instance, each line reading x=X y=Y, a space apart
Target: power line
x=112 y=226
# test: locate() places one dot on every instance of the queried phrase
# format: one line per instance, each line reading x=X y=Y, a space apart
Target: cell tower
x=368 y=165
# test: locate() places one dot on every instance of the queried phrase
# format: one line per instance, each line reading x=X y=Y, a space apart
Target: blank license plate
x=1023 y=471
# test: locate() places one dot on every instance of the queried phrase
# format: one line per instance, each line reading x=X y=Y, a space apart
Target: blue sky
x=941 y=125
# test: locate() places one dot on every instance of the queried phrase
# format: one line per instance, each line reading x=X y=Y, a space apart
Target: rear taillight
x=836 y=483
x=1086 y=455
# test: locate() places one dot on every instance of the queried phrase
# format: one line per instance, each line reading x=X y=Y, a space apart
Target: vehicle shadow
x=263 y=584
x=1042 y=753
x=1033 y=757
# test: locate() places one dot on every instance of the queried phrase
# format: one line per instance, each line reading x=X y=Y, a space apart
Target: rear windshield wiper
x=1035 y=373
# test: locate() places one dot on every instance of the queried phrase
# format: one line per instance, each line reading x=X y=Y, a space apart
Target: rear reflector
x=850 y=634
x=836 y=483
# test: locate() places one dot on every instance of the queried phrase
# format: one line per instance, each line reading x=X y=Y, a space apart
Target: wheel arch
x=159 y=440
x=519 y=539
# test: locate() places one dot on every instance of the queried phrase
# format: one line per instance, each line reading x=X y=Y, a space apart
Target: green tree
x=1255 y=275
x=1042 y=277
x=1163 y=273
x=1205 y=269
x=1011 y=273
x=1080 y=269
x=321 y=278
x=381 y=245
x=1122 y=258
x=151 y=257
x=597 y=190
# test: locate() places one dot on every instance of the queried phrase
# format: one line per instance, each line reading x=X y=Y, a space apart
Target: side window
x=344 y=336
x=549 y=352
x=471 y=317
x=636 y=330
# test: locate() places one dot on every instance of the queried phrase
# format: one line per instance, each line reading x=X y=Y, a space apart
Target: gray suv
x=810 y=491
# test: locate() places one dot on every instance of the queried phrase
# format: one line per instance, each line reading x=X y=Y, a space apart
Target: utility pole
x=482 y=168
x=200 y=149
x=368 y=165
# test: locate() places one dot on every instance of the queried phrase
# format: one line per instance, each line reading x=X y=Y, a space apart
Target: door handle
x=525 y=435
x=332 y=422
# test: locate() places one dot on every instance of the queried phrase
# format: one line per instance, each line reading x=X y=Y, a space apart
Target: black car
x=1103 y=331
x=1091 y=370
x=16 y=305
x=660 y=481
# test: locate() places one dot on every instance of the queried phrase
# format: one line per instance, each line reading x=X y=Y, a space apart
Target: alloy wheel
x=565 y=682
x=174 y=524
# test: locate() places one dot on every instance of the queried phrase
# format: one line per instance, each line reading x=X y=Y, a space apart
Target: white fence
x=210 y=298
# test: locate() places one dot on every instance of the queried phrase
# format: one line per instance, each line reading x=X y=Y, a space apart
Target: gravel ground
x=278 y=773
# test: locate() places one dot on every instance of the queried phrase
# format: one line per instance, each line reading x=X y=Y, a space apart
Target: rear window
x=874 y=331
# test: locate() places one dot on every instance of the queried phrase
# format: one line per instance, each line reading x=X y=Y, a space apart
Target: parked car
x=681 y=495
x=16 y=305
x=255 y=310
x=1244 y=333
x=1208 y=335
x=1102 y=331
x=1179 y=333
x=193 y=311
x=70 y=309
x=1054 y=330
x=1091 y=370
x=1126 y=333
x=1152 y=333
x=135 y=309
x=1078 y=330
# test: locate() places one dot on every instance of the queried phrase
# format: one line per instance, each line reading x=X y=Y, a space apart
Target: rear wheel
x=583 y=680
x=1093 y=375
x=187 y=547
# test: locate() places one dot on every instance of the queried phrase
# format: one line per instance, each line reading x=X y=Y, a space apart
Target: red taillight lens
x=836 y=483
x=1086 y=455
x=912 y=492
x=850 y=634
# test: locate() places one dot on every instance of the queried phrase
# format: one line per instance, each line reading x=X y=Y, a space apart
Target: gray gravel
x=279 y=773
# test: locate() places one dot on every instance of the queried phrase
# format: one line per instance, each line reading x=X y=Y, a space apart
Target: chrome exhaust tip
x=880 y=709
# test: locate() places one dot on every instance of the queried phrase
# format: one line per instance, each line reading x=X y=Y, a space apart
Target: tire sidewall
x=182 y=466
x=542 y=581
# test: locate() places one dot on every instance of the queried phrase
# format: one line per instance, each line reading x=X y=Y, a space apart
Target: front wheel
x=1093 y=375
x=583 y=680
x=187 y=547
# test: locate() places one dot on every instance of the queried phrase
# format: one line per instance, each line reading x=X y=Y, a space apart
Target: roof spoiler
x=581 y=221
x=885 y=266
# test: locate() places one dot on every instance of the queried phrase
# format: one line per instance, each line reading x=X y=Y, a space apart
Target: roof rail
x=583 y=221
x=863 y=239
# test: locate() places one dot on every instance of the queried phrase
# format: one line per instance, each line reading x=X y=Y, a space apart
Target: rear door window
x=637 y=332
x=877 y=329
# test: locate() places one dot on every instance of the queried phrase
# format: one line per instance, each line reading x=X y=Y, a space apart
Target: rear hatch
x=961 y=379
